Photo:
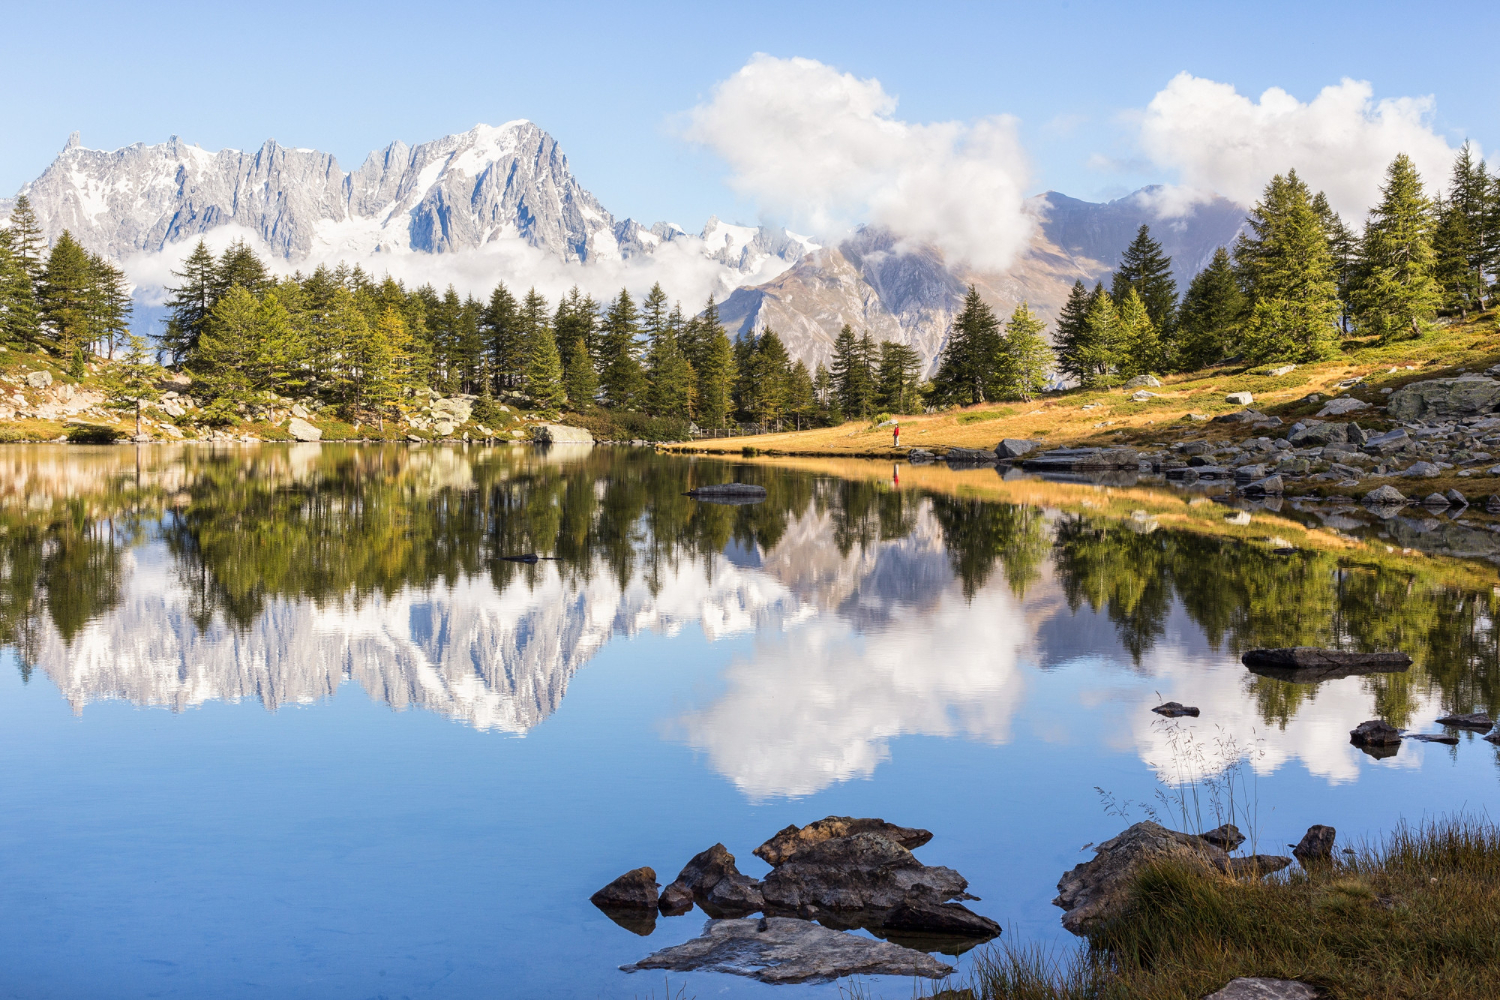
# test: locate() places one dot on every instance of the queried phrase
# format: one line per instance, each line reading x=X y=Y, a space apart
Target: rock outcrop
x=1265 y=989
x=788 y=842
x=560 y=434
x=1444 y=398
x=636 y=889
x=711 y=879
x=863 y=872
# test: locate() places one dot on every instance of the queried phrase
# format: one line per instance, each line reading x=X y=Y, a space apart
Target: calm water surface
x=283 y=723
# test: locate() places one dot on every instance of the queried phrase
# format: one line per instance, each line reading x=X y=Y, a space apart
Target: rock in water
x=862 y=872
x=787 y=950
x=1265 y=989
x=303 y=431
x=923 y=916
x=1471 y=720
x=972 y=455
x=712 y=879
x=676 y=899
x=1309 y=664
x=1175 y=709
x=632 y=918
x=1385 y=495
x=633 y=890
x=789 y=841
x=746 y=491
x=1316 y=847
x=1225 y=838
x=1375 y=733
x=1433 y=738
x=1014 y=448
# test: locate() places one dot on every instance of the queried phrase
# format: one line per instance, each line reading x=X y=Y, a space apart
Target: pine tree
x=1397 y=294
x=27 y=241
x=65 y=299
x=132 y=383
x=670 y=376
x=543 y=372
x=620 y=375
x=1286 y=265
x=1211 y=312
x=109 y=304
x=1458 y=240
x=715 y=379
x=966 y=368
x=899 y=374
x=238 y=265
x=500 y=327
x=771 y=371
x=1103 y=348
x=654 y=314
x=189 y=303
x=1072 y=332
x=1344 y=249
x=576 y=321
x=850 y=371
x=802 y=397
x=1142 y=352
x=1025 y=356
x=20 y=315
x=1144 y=268
x=579 y=379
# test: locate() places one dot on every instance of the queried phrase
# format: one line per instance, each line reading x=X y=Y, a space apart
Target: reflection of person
x=896 y=435
x=895 y=475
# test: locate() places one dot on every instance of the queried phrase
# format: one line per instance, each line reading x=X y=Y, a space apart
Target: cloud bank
x=823 y=150
x=1221 y=142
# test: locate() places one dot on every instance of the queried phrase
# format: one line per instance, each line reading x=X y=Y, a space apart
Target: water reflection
x=173 y=577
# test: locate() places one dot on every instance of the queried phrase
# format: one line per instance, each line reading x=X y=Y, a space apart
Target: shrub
x=94 y=434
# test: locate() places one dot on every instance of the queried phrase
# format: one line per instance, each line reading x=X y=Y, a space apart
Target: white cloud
x=823 y=150
x=1340 y=142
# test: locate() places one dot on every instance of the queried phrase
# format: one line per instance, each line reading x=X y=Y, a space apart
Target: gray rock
x=787 y=843
x=635 y=889
x=734 y=895
x=1014 y=448
x=1241 y=417
x=1239 y=398
x=1265 y=989
x=727 y=490
x=1079 y=459
x=1310 y=664
x=39 y=380
x=560 y=434
x=1342 y=405
x=1141 y=381
x=303 y=431
x=1357 y=434
x=1457 y=498
x=1423 y=470
x=712 y=879
x=861 y=872
x=675 y=899
x=1492 y=503
x=1447 y=738
x=1434 y=500
x=1141 y=396
x=1315 y=848
x=443 y=428
x=1176 y=710
x=976 y=456
x=1385 y=495
x=1444 y=398
x=1376 y=732
x=1269 y=486
x=1249 y=473
x=918 y=915
x=787 y=950
x=920 y=456
x=1318 y=432
x=1467 y=720
x=1282 y=370
x=454 y=409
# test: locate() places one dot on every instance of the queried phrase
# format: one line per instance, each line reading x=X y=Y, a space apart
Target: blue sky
x=614 y=82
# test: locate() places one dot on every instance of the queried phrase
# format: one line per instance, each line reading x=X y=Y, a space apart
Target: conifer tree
x=850 y=371
x=654 y=315
x=823 y=386
x=966 y=369
x=132 y=383
x=224 y=357
x=1397 y=294
x=65 y=299
x=500 y=327
x=1144 y=268
x=576 y=321
x=1072 y=331
x=1142 y=348
x=620 y=375
x=1211 y=312
x=1287 y=267
x=669 y=373
x=543 y=372
x=1103 y=347
x=898 y=377
x=190 y=301
x=1025 y=356
x=802 y=398
x=374 y=365
x=1344 y=249
x=20 y=314
x=239 y=265
x=580 y=382
x=27 y=241
x=109 y=304
x=1459 y=236
x=715 y=379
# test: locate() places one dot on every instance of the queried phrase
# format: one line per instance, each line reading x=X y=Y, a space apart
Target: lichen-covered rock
x=1095 y=891
x=862 y=872
x=1443 y=398
x=1239 y=398
x=793 y=839
x=1385 y=495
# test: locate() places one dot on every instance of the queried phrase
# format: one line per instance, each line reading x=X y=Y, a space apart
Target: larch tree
x=1397 y=294
x=1286 y=264
x=65 y=300
x=1211 y=312
x=1026 y=358
x=1142 y=351
x=190 y=301
x=1102 y=349
x=1148 y=271
x=966 y=368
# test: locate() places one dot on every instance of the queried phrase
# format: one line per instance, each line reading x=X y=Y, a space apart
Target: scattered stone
x=1468 y=720
x=787 y=950
x=1079 y=459
x=1014 y=448
x=863 y=872
x=1283 y=370
x=1257 y=988
x=39 y=380
x=1457 y=498
x=1269 y=486
x=1241 y=417
x=1175 y=710
x=298 y=410
x=970 y=455
x=560 y=434
x=1142 y=396
x=1444 y=398
x=1434 y=500
x=1239 y=398
x=1198 y=418
x=1423 y=470
x=1447 y=738
x=1376 y=732
x=789 y=842
x=303 y=431
x=443 y=428
x=634 y=890
x=1384 y=444
x=1385 y=495
x=1342 y=405
x=1310 y=665
x=1249 y=473
x=1143 y=380
x=1316 y=847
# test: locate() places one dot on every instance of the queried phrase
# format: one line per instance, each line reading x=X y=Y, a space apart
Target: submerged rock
x=922 y=916
x=634 y=890
x=862 y=872
x=1310 y=664
x=787 y=950
x=745 y=491
x=1447 y=738
x=1175 y=709
x=1375 y=733
x=1470 y=720
x=793 y=839
x=1315 y=847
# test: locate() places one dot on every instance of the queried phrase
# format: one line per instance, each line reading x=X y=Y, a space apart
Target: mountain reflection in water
x=170 y=577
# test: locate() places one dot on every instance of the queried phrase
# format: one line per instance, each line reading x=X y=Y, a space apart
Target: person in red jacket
x=896 y=435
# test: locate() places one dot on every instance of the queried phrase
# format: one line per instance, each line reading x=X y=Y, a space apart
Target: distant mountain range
x=512 y=182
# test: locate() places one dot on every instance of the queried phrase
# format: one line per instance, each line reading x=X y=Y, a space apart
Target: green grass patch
x=629 y=425
x=94 y=434
x=999 y=413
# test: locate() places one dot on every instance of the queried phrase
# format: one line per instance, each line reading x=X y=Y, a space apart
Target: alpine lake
x=294 y=721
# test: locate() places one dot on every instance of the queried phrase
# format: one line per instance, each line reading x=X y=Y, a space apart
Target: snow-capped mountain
x=511 y=183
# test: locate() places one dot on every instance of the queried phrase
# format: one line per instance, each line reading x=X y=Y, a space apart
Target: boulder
x=1311 y=665
x=634 y=890
x=862 y=872
x=1225 y=838
x=920 y=915
x=1422 y=470
x=1257 y=988
x=443 y=428
x=1492 y=503
x=39 y=380
x=1175 y=710
x=1385 y=495
x=727 y=491
x=1315 y=848
x=970 y=455
x=787 y=950
x=712 y=879
x=1384 y=444
x=1342 y=405
x=1098 y=890
x=1269 y=486
x=734 y=895
x=1142 y=381
x=1014 y=447
x=1375 y=733
x=1447 y=738
x=1239 y=398
x=1141 y=396
x=1444 y=398
x=1081 y=459
x=675 y=899
x=1456 y=498
x=1318 y=432
x=1468 y=720
x=794 y=839
x=455 y=409
x=1241 y=417
x=303 y=431
x=918 y=456
x=560 y=434
x=1282 y=370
